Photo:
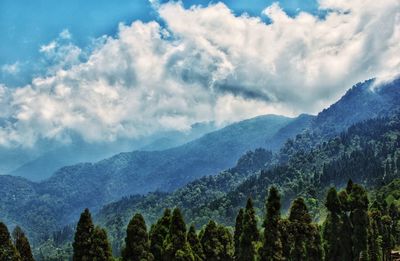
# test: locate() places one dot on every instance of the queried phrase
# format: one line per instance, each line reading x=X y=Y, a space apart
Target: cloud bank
x=202 y=64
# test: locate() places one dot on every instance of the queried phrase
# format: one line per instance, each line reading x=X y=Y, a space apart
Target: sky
x=107 y=71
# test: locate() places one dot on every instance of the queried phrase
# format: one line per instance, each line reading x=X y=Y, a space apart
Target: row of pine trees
x=353 y=230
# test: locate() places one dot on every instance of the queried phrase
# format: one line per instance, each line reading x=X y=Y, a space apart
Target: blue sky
x=25 y=25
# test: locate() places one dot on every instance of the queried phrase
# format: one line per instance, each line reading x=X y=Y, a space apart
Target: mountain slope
x=58 y=200
x=55 y=156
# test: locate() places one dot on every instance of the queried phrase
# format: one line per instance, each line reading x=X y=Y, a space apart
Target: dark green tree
x=176 y=245
x=195 y=244
x=250 y=234
x=158 y=234
x=137 y=246
x=22 y=245
x=8 y=252
x=217 y=243
x=358 y=201
x=83 y=238
x=272 y=244
x=300 y=221
x=332 y=227
x=314 y=248
x=284 y=231
x=101 y=249
x=238 y=232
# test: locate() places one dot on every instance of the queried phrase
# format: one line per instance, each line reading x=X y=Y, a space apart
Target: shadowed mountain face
x=39 y=164
x=79 y=186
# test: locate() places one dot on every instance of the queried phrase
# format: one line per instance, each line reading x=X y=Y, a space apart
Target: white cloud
x=206 y=65
x=11 y=69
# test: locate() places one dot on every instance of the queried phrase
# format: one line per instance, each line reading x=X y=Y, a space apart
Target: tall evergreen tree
x=332 y=226
x=300 y=221
x=176 y=245
x=137 y=246
x=284 y=231
x=250 y=234
x=83 y=238
x=358 y=201
x=194 y=244
x=217 y=243
x=158 y=234
x=346 y=228
x=238 y=232
x=272 y=245
x=21 y=243
x=8 y=252
x=314 y=248
x=101 y=249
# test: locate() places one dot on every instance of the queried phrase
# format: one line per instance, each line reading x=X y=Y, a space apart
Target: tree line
x=354 y=229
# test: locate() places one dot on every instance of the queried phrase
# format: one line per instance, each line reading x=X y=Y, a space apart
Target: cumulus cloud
x=205 y=64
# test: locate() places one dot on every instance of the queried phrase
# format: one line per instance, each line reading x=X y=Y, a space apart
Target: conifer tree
x=217 y=243
x=272 y=245
x=314 y=246
x=21 y=243
x=137 y=246
x=332 y=226
x=238 y=232
x=8 y=252
x=284 y=231
x=346 y=228
x=300 y=221
x=101 y=249
x=358 y=201
x=194 y=244
x=176 y=245
x=250 y=234
x=83 y=237
x=158 y=234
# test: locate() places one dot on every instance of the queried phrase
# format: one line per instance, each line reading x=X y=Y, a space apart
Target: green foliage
x=101 y=249
x=137 y=246
x=195 y=244
x=176 y=243
x=238 y=232
x=21 y=243
x=272 y=243
x=83 y=237
x=8 y=252
x=250 y=234
x=217 y=242
x=158 y=234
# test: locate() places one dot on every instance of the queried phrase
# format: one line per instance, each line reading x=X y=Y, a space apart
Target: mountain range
x=56 y=201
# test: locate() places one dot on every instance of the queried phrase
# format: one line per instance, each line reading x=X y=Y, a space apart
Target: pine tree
x=176 y=245
x=272 y=245
x=332 y=226
x=284 y=231
x=8 y=252
x=314 y=247
x=238 y=232
x=346 y=228
x=358 y=201
x=374 y=237
x=158 y=234
x=137 y=246
x=83 y=237
x=250 y=234
x=194 y=244
x=300 y=221
x=101 y=249
x=21 y=243
x=217 y=243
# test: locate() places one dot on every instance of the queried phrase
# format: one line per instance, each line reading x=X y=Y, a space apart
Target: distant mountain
x=39 y=164
x=61 y=197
